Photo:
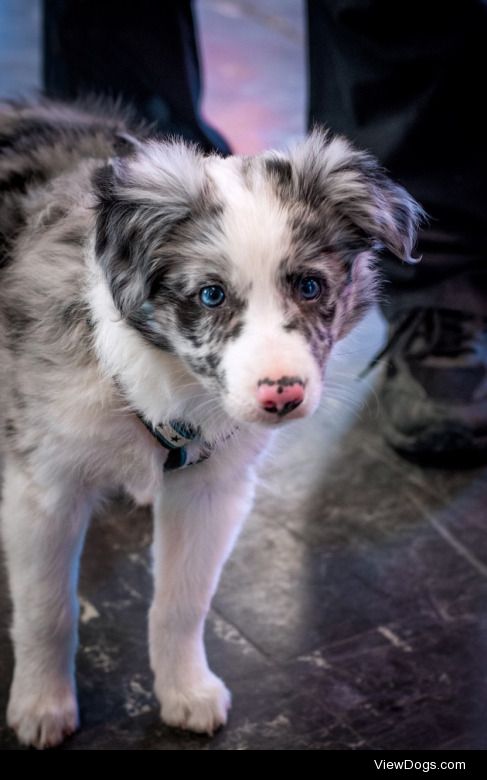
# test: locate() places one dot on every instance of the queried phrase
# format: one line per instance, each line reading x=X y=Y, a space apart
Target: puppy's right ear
x=117 y=248
x=139 y=200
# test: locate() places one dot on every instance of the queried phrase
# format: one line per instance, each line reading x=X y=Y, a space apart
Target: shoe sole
x=455 y=447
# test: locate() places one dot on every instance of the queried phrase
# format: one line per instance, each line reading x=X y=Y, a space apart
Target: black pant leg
x=406 y=79
x=143 y=51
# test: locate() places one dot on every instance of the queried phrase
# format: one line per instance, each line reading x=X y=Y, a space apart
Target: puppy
x=162 y=314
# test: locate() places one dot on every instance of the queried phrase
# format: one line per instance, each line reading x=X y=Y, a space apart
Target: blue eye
x=309 y=288
x=212 y=296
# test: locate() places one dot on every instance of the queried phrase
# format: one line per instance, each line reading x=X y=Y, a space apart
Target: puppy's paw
x=42 y=720
x=202 y=707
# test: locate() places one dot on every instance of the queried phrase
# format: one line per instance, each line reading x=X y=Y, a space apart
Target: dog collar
x=175 y=436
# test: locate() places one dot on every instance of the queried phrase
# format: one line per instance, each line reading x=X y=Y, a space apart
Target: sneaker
x=434 y=390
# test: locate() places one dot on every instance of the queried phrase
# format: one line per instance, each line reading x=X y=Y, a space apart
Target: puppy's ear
x=331 y=174
x=139 y=201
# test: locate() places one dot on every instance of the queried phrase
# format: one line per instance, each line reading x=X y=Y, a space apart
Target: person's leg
x=403 y=79
x=145 y=53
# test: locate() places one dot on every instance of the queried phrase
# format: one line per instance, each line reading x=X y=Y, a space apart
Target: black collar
x=175 y=436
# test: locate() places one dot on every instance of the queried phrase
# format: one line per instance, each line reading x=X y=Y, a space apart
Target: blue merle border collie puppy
x=160 y=309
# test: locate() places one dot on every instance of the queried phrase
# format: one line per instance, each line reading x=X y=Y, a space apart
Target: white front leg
x=43 y=530
x=197 y=519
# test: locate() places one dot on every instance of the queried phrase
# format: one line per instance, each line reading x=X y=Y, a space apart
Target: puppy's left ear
x=389 y=215
x=352 y=184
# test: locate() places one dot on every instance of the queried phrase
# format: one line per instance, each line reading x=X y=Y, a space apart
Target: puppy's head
x=250 y=268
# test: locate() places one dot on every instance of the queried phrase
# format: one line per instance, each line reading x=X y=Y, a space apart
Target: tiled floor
x=353 y=612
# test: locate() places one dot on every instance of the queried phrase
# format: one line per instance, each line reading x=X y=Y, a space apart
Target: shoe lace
x=421 y=332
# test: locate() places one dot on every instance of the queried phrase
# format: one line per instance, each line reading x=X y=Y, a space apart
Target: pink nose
x=280 y=396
